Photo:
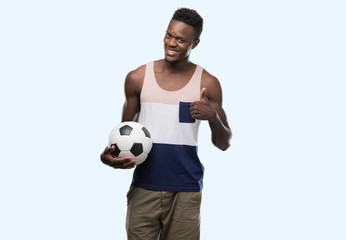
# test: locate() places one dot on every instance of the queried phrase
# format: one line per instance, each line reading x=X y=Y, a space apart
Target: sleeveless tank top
x=173 y=163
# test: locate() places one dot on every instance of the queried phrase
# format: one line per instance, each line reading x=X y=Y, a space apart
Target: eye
x=168 y=35
x=181 y=40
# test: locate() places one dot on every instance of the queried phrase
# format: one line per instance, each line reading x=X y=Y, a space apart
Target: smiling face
x=179 y=40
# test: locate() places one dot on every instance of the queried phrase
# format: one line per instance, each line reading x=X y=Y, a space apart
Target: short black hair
x=190 y=17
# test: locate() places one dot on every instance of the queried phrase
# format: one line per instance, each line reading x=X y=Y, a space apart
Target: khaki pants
x=161 y=215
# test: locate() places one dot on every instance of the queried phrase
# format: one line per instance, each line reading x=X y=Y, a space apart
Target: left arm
x=210 y=108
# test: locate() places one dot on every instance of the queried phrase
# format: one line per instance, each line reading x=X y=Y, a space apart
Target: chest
x=173 y=82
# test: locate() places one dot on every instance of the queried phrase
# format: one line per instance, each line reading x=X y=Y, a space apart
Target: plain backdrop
x=281 y=65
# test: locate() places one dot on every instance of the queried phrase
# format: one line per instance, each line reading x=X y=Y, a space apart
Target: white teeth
x=171 y=52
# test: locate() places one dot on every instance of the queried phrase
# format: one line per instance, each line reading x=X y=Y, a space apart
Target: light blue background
x=281 y=65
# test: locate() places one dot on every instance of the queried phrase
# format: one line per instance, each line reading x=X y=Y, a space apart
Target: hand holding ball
x=130 y=139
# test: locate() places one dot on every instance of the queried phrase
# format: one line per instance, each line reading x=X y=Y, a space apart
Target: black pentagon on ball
x=125 y=130
x=116 y=151
x=137 y=149
x=146 y=132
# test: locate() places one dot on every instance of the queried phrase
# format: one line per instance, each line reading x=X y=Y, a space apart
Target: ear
x=195 y=43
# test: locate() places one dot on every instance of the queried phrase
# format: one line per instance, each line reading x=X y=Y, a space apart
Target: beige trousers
x=161 y=215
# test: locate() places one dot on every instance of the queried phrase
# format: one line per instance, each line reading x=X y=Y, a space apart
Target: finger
x=204 y=94
x=106 y=154
x=193 y=106
x=129 y=165
x=121 y=160
x=109 y=149
x=125 y=164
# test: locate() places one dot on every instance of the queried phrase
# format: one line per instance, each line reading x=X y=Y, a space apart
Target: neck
x=177 y=66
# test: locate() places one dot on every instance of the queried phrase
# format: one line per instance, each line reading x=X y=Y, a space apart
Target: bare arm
x=210 y=108
x=133 y=86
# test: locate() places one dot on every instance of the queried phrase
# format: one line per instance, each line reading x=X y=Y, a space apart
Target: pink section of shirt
x=152 y=92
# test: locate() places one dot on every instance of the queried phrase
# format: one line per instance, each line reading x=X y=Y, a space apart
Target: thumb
x=204 y=94
x=109 y=149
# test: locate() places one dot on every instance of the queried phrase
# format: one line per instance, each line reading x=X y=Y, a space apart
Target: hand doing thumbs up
x=202 y=109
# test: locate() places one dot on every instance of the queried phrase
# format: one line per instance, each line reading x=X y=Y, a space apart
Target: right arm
x=133 y=85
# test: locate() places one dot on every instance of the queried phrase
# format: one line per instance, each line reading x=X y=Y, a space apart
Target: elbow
x=225 y=147
x=224 y=142
x=222 y=146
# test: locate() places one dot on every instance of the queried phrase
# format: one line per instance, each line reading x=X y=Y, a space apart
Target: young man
x=170 y=97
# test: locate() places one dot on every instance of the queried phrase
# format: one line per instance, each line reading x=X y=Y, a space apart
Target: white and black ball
x=131 y=139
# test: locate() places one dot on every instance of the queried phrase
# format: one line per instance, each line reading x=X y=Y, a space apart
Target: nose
x=172 y=42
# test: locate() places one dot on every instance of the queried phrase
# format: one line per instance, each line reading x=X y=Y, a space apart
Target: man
x=170 y=97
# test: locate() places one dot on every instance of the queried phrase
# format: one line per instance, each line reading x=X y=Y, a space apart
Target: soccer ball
x=131 y=139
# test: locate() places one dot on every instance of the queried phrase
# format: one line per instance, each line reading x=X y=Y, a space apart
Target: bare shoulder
x=211 y=83
x=136 y=75
x=134 y=79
